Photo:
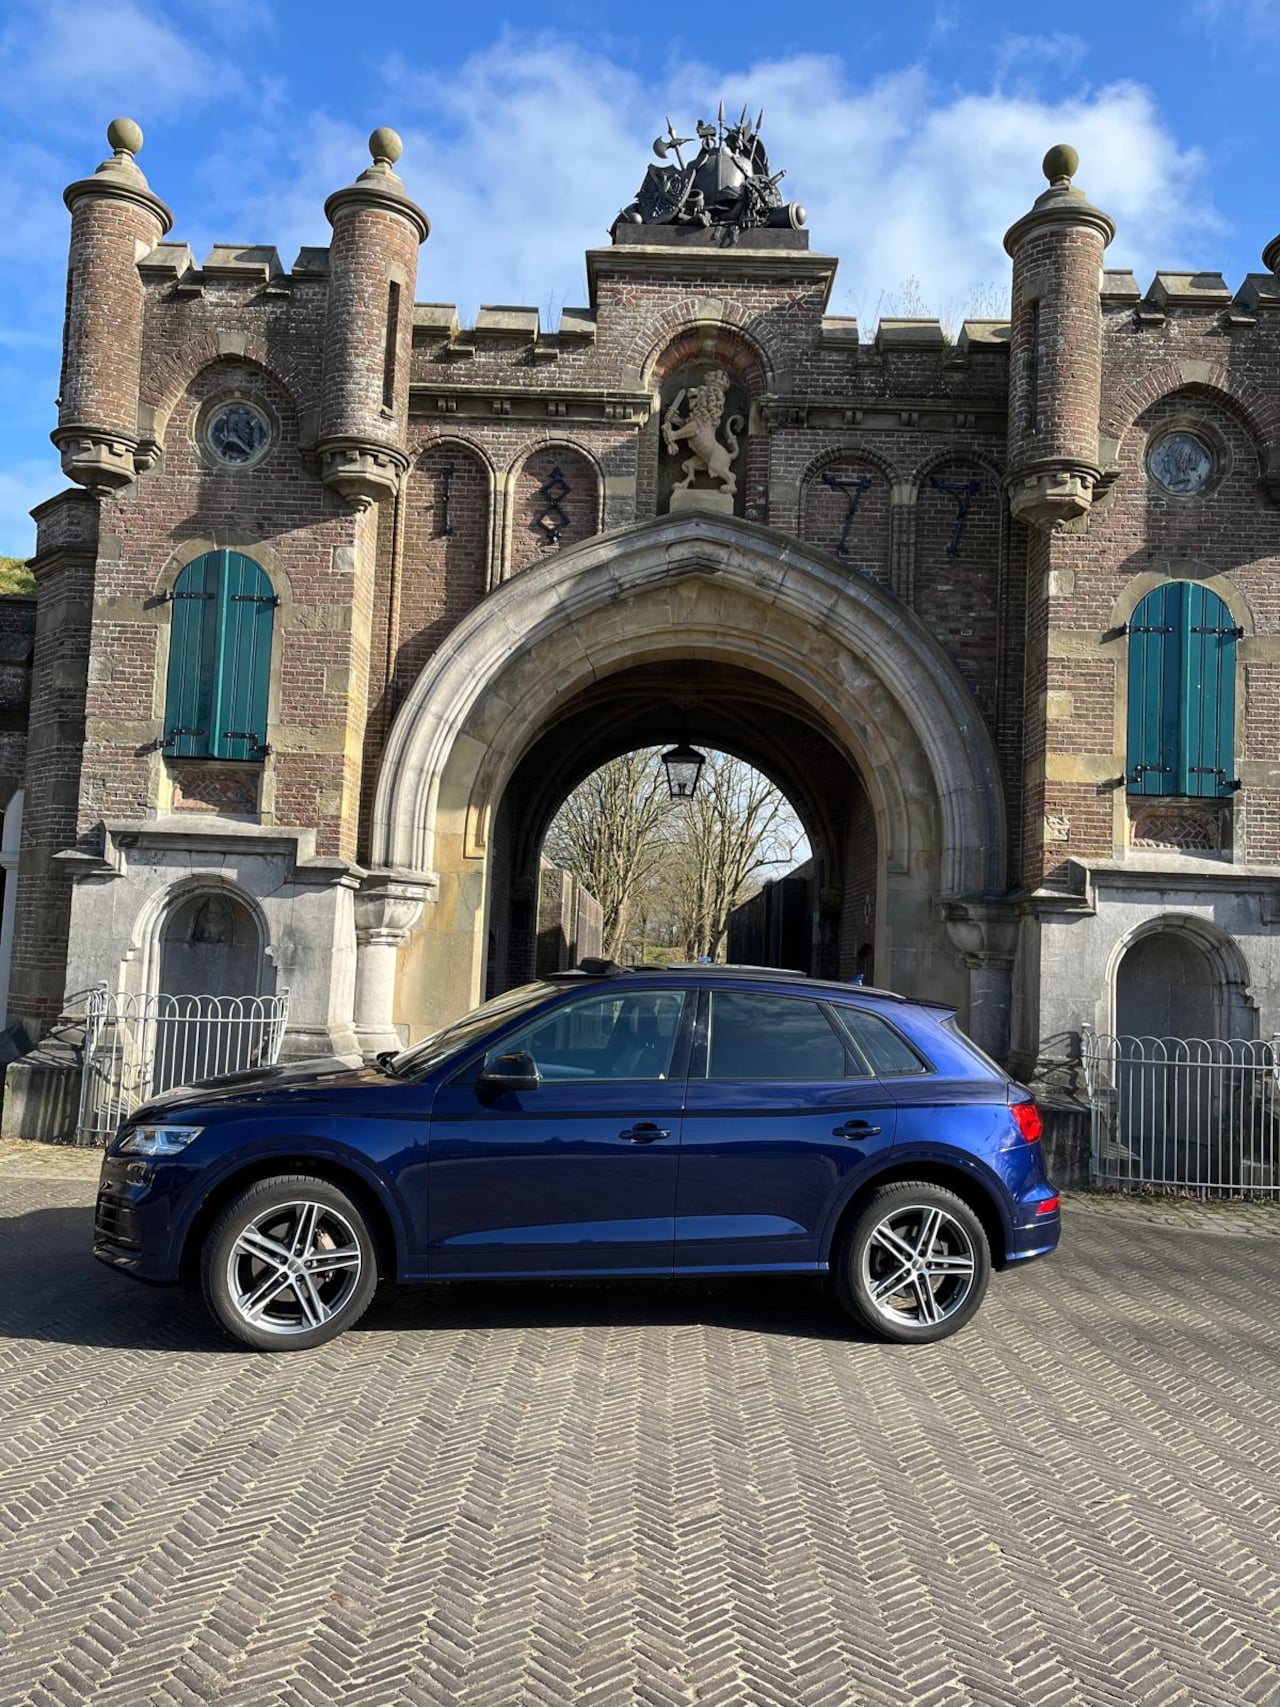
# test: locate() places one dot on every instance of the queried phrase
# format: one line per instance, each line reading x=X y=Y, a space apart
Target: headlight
x=159 y=1140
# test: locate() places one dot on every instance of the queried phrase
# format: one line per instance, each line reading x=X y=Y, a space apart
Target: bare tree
x=608 y=834
x=719 y=845
x=675 y=868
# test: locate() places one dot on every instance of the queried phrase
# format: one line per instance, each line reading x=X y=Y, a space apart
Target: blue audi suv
x=611 y=1121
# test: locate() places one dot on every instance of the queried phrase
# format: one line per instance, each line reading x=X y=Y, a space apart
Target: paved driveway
x=704 y=1494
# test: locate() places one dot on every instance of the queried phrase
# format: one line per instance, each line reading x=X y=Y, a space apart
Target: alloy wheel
x=918 y=1266
x=293 y=1268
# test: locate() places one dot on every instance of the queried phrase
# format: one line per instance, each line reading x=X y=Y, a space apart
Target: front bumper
x=132 y=1220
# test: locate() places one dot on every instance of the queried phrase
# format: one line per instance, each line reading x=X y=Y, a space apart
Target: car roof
x=593 y=971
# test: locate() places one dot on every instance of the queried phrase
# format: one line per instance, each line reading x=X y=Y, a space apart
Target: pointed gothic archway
x=695 y=588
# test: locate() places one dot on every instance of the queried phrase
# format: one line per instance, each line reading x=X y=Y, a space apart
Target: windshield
x=423 y=1058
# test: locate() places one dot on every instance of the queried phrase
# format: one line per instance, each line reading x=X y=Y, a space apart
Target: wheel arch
x=328 y=1168
x=952 y=1176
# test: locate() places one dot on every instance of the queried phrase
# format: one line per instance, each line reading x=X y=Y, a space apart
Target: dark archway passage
x=713 y=705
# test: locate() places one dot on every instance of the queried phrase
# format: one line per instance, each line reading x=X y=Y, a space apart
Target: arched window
x=1182 y=693
x=219 y=659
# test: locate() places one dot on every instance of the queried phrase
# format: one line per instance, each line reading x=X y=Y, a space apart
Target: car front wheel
x=289 y=1264
x=915 y=1265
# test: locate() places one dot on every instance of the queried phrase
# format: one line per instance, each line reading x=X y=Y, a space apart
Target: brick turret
x=115 y=220
x=1055 y=376
x=373 y=267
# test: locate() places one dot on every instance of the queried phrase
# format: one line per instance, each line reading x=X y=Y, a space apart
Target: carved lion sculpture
x=698 y=430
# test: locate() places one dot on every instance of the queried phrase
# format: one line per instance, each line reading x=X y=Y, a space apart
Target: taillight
x=1026 y=1117
x=1050 y=1205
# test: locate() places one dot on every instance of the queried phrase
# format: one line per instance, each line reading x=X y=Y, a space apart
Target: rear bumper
x=1037 y=1237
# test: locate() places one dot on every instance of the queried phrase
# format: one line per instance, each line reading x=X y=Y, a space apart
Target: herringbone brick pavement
x=693 y=1496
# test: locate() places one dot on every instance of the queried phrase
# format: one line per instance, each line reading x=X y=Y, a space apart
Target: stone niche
x=730 y=435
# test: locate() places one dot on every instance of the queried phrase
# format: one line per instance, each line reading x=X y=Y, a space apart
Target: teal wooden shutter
x=1182 y=693
x=188 y=711
x=1209 y=708
x=219 y=659
x=1155 y=692
x=244 y=661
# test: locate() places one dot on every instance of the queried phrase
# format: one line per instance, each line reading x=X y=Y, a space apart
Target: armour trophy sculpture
x=703 y=414
x=727 y=184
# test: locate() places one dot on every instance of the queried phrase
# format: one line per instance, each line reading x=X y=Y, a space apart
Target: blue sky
x=913 y=134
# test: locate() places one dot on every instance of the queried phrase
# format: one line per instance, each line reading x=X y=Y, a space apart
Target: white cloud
x=61 y=57
x=523 y=155
x=1257 y=18
x=526 y=154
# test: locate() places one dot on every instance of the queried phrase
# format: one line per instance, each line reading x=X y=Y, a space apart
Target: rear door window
x=886 y=1051
x=754 y=1036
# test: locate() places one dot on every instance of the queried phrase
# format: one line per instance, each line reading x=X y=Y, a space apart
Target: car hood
x=294 y=1082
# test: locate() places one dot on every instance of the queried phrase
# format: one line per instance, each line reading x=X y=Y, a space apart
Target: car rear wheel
x=915 y=1265
x=289 y=1264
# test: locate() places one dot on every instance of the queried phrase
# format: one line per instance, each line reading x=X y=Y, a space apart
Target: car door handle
x=857 y=1129
x=645 y=1133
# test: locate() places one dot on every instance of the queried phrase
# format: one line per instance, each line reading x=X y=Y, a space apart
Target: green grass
x=15 y=577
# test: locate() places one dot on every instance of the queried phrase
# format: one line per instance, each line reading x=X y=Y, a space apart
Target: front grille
x=116 y=1223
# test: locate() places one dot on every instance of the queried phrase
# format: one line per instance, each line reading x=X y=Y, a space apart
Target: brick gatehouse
x=345 y=596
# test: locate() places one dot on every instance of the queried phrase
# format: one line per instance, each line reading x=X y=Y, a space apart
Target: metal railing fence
x=1184 y=1114
x=136 y=1047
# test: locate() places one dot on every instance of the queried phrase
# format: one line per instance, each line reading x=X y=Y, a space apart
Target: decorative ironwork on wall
x=446 y=494
x=553 y=519
x=964 y=492
x=852 y=486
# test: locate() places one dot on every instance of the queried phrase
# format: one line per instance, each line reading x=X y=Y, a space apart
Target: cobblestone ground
x=690 y=1495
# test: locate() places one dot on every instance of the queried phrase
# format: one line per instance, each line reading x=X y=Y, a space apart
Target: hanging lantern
x=683 y=765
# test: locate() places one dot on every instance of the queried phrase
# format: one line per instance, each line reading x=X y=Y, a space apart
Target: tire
x=901 y=1224
x=263 y=1269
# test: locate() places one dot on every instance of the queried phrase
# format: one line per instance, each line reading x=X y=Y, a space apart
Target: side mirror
x=518 y=1072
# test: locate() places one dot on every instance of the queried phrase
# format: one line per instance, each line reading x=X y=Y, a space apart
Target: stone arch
x=862 y=541
x=177 y=374
x=535 y=526
x=173 y=368
x=1138 y=586
x=685 y=337
x=697 y=586
x=1259 y=413
x=143 y=968
x=1214 y=981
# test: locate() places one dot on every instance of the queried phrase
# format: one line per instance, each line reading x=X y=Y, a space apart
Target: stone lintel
x=1120 y=289
x=242 y=263
x=910 y=334
x=166 y=262
x=984 y=335
x=1170 y=291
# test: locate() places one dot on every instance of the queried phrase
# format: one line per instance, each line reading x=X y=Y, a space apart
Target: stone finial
x=1061 y=164
x=124 y=137
x=385 y=146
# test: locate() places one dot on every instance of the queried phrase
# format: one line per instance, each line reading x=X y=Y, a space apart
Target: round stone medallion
x=1181 y=463
x=238 y=434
